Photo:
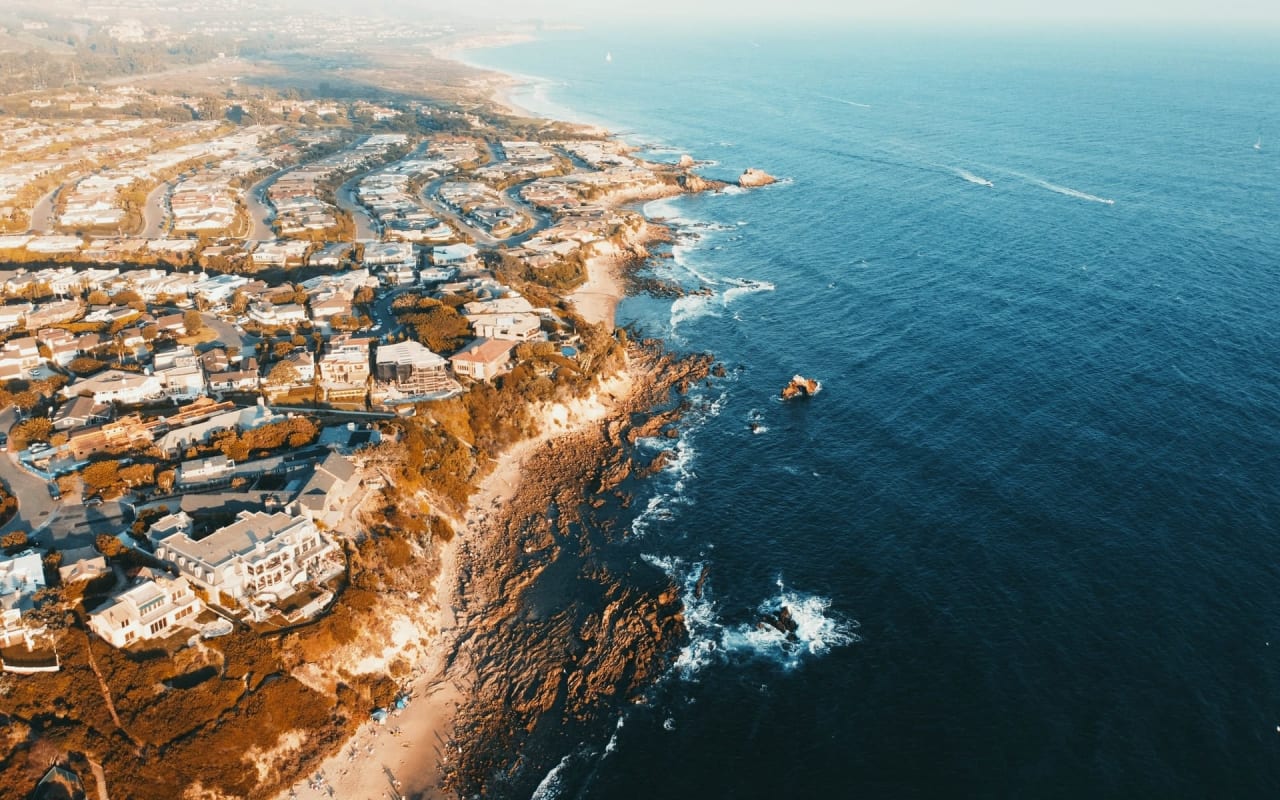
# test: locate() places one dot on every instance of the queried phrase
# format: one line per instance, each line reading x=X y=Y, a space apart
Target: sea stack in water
x=800 y=386
x=755 y=177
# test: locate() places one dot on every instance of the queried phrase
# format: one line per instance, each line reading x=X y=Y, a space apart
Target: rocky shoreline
x=557 y=630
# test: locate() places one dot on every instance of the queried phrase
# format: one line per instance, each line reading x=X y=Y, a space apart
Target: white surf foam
x=817 y=631
x=613 y=740
x=744 y=287
x=818 y=628
x=549 y=787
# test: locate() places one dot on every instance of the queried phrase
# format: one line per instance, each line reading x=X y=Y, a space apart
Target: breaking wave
x=743 y=287
x=549 y=787
x=817 y=629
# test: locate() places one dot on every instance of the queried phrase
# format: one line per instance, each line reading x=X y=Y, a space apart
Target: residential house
x=412 y=369
x=239 y=380
x=11 y=316
x=21 y=577
x=205 y=470
x=147 y=611
x=330 y=488
x=79 y=412
x=344 y=370
x=53 y=312
x=483 y=359
x=117 y=386
x=81 y=564
x=184 y=382
x=461 y=256
x=511 y=327
x=258 y=559
x=269 y=314
x=304 y=366
x=18 y=357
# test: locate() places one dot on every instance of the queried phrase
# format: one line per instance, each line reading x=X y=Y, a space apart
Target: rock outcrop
x=755 y=177
x=694 y=183
x=801 y=386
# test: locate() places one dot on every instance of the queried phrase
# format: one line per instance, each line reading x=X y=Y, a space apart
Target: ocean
x=1030 y=526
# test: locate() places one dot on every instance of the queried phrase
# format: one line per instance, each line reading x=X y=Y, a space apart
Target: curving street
x=155 y=214
x=35 y=506
x=366 y=227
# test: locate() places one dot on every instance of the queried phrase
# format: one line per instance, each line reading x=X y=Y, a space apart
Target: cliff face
x=562 y=625
x=755 y=177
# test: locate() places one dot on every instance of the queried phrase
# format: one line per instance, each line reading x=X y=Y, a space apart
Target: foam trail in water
x=846 y=102
x=1063 y=190
x=971 y=178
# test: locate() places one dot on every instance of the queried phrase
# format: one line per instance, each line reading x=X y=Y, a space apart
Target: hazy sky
x=1142 y=11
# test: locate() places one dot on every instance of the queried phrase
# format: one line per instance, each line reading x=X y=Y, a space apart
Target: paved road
x=366 y=227
x=155 y=214
x=229 y=335
x=42 y=213
x=35 y=506
x=260 y=212
x=460 y=223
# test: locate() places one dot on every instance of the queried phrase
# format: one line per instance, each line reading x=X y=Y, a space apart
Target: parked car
x=54 y=492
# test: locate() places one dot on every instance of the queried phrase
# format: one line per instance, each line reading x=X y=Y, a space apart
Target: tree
x=193 y=322
x=36 y=429
x=98 y=298
x=14 y=541
x=283 y=374
x=109 y=546
x=101 y=476
x=83 y=365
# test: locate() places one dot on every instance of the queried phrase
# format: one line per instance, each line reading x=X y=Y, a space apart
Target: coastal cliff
x=559 y=628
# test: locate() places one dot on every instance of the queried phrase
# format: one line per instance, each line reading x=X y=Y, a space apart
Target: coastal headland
x=471 y=614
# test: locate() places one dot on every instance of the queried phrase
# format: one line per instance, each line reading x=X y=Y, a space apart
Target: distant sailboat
x=608 y=57
x=1258 y=144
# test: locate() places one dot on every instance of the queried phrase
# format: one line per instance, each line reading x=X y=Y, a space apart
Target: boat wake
x=971 y=178
x=787 y=628
x=843 y=101
x=1066 y=191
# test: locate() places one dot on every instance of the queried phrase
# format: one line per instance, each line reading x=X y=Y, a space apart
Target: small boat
x=1258 y=144
x=608 y=57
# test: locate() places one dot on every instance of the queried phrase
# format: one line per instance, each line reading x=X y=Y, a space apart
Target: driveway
x=78 y=526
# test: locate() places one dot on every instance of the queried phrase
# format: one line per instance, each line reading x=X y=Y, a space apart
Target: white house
x=258 y=559
x=20 y=578
x=205 y=470
x=454 y=255
x=147 y=611
x=117 y=386
x=185 y=382
x=412 y=368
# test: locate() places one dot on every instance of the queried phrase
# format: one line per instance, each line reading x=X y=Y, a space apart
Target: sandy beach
x=597 y=299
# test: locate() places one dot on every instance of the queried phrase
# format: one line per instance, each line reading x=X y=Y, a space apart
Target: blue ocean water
x=1031 y=524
